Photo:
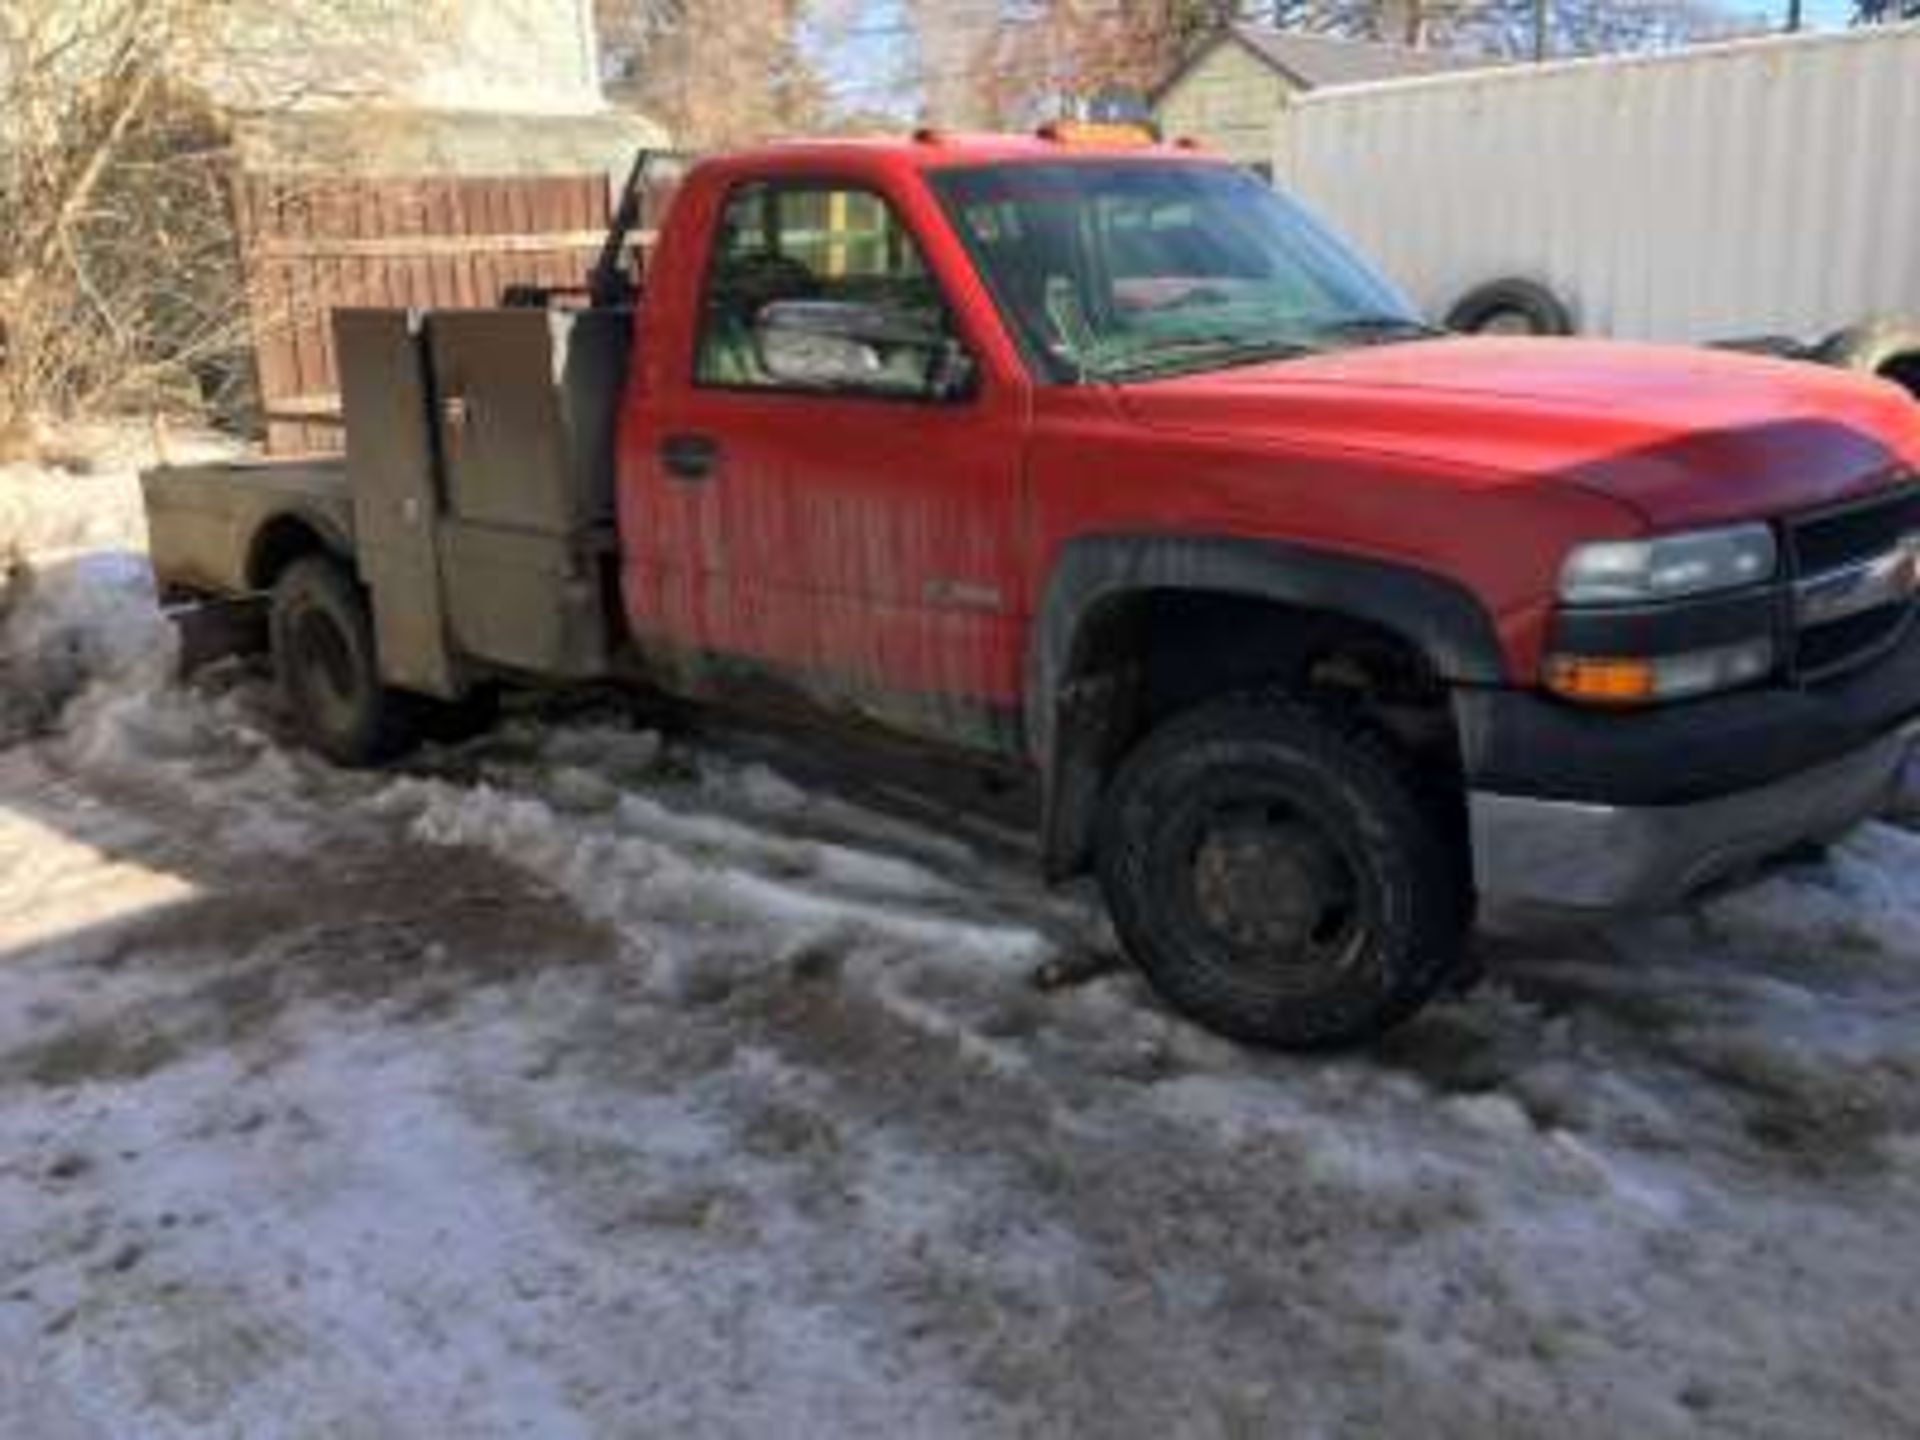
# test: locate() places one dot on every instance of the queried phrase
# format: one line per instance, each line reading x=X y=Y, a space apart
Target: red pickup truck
x=1102 y=463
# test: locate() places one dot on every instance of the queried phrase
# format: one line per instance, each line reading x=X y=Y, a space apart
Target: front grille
x=1825 y=649
x=1847 y=534
x=1822 y=547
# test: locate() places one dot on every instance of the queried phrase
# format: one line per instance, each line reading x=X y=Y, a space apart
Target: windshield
x=1111 y=270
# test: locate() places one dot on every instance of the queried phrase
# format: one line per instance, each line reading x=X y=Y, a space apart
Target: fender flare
x=1436 y=615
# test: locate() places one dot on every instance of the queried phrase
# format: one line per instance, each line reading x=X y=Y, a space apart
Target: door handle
x=689 y=457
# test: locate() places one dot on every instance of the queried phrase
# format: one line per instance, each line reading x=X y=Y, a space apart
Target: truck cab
x=1098 y=460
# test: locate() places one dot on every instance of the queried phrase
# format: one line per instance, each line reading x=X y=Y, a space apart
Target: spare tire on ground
x=1888 y=346
x=1510 y=306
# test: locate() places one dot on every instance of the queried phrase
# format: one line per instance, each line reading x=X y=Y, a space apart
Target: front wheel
x=1282 y=877
x=329 y=672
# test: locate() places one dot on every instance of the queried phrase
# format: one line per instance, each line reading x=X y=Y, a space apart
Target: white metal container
x=1759 y=187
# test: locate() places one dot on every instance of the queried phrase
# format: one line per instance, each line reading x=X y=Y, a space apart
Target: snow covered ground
x=581 y=1082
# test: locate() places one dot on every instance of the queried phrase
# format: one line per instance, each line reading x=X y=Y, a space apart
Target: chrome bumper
x=1572 y=855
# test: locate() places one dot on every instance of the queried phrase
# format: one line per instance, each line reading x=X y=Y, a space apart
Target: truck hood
x=1685 y=436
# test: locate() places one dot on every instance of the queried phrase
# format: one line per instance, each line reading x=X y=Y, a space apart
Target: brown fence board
x=310 y=245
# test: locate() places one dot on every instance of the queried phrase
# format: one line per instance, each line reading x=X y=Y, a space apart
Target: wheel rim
x=1286 y=903
x=324 y=665
x=1508 y=322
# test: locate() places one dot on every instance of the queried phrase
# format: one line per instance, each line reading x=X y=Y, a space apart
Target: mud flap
x=213 y=629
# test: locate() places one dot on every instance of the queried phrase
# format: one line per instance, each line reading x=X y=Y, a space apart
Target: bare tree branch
x=120 y=275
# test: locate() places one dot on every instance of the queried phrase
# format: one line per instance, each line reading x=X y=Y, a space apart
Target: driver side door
x=858 y=542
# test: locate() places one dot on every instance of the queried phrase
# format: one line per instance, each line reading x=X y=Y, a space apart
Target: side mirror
x=851 y=345
x=955 y=374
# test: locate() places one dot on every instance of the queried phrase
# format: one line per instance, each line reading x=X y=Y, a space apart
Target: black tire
x=1511 y=306
x=1888 y=347
x=454 y=722
x=329 y=673
x=1351 y=871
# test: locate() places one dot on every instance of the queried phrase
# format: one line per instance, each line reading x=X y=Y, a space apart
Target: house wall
x=534 y=55
x=503 y=56
x=1230 y=102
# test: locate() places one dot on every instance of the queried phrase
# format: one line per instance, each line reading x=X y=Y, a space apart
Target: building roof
x=374 y=141
x=1313 y=61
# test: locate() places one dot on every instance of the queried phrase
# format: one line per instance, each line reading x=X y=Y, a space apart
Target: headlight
x=1624 y=572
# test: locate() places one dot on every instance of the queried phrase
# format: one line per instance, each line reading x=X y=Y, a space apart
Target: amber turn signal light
x=1596 y=681
x=1110 y=135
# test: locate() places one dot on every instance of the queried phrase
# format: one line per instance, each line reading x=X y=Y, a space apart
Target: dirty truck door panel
x=857 y=538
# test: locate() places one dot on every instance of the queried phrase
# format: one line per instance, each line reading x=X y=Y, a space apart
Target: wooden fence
x=309 y=245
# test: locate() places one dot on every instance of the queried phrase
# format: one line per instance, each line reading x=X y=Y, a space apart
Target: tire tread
x=1353 y=755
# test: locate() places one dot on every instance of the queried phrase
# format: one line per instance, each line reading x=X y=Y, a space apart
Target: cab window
x=1110 y=270
x=822 y=266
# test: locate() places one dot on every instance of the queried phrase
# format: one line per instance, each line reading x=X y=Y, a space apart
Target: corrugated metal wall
x=1761 y=187
x=311 y=244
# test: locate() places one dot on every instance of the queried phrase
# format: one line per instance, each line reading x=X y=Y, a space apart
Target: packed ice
x=593 y=1076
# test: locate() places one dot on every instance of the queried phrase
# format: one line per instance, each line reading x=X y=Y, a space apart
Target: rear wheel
x=329 y=672
x=1888 y=347
x=1280 y=876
